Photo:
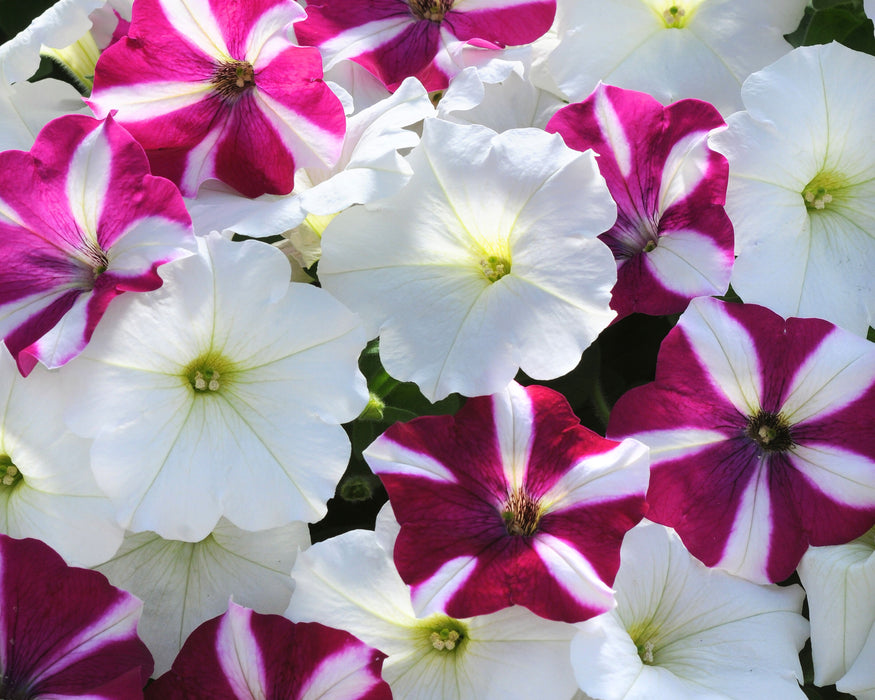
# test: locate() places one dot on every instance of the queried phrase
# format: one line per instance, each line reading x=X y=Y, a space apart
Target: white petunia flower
x=840 y=584
x=350 y=582
x=512 y=103
x=220 y=394
x=47 y=490
x=802 y=186
x=183 y=584
x=486 y=262
x=686 y=632
x=672 y=50
x=59 y=26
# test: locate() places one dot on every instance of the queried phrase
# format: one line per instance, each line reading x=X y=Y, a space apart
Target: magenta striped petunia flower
x=65 y=632
x=81 y=221
x=246 y=654
x=761 y=436
x=214 y=89
x=510 y=502
x=673 y=241
x=394 y=39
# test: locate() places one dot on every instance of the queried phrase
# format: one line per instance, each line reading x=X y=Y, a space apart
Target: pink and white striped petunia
x=81 y=221
x=761 y=436
x=672 y=241
x=245 y=654
x=65 y=632
x=394 y=39
x=214 y=89
x=510 y=502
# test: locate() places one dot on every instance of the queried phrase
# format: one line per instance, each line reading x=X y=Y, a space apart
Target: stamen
x=771 y=431
x=431 y=10
x=521 y=513
x=232 y=79
x=494 y=268
x=673 y=16
x=9 y=473
x=647 y=652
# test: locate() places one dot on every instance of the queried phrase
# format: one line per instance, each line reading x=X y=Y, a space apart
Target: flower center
x=208 y=374
x=9 y=474
x=770 y=431
x=232 y=79
x=822 y=191
x=494 y=267
x=432 y=10
x=521 y=513
x=674 y=17
x=444 y=634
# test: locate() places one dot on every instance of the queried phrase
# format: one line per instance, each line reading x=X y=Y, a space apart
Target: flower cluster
x=437 y=349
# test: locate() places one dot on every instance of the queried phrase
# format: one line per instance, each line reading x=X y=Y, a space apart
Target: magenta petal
x=509 y=502
x=515 y=25
x=65 y=630
x=246 y=653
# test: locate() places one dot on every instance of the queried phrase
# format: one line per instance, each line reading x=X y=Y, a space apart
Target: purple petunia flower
x=245 y=654
x=394 y=39
x=761 y=436
x=672 y=241
x=81 y=221
x=65 y=632
x=214 y=89
x=510 y=502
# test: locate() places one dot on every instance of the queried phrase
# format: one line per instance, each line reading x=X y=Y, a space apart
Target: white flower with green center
x=840 y=583
x=350 y=582
x=802 y=186
x=485 y=263
x=220 y=394
x=47 y=490
x=686 y=632
x=183 y=584
x=671 y=49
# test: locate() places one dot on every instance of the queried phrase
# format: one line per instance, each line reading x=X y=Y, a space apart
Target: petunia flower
x=840 y=585
x=65 y=632
x=350 y=582
x=685 y=632
x=47 y=490
x=82 y=222
x=245 y=654
x=672 y=241
x=184 y=584
x=59 y=26
x=430 y=39
x=802 y=186
x=492 y=246
x=700 y=49
x=210 y=88
x=761 y=438
x=512 y=103
x=232 y=384
x=510 y=502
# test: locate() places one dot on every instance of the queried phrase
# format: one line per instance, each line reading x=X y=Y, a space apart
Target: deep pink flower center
x=432 y=10
x=770 y=431
x=232 y=79
x=521 y=513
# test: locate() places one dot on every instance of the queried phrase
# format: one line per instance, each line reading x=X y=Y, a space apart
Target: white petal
x=840 y=584
x=185 y=584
